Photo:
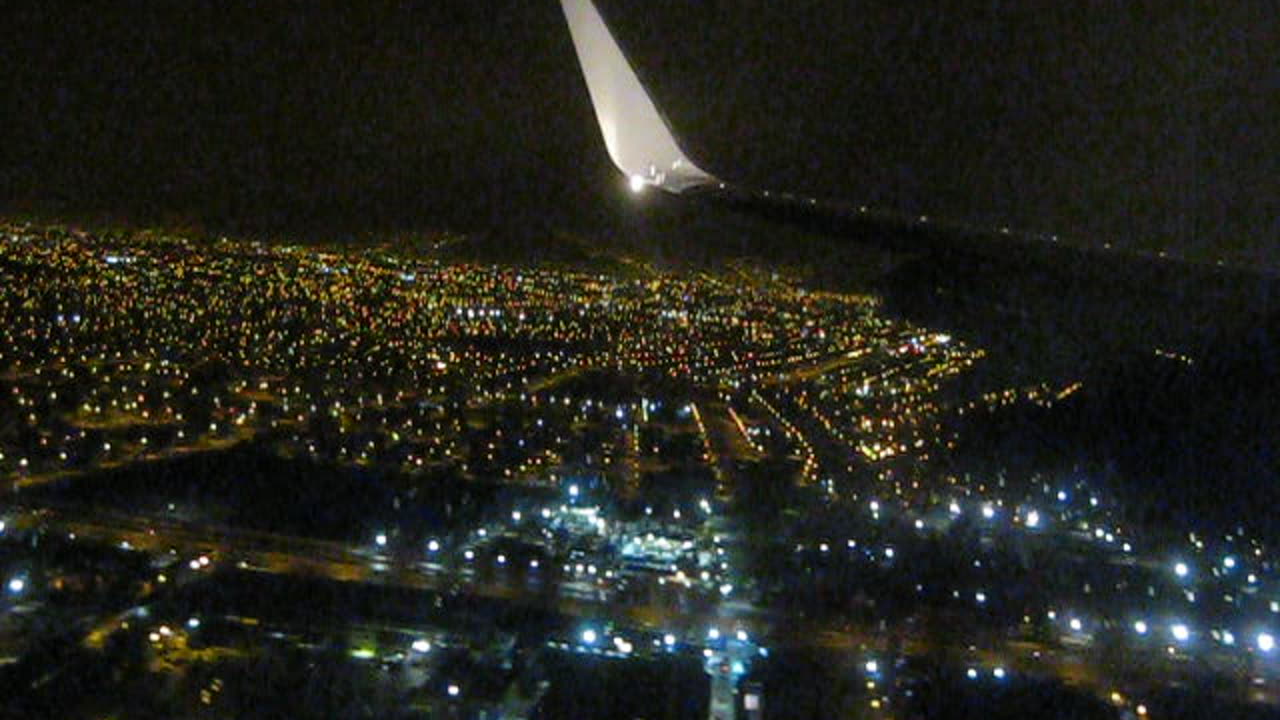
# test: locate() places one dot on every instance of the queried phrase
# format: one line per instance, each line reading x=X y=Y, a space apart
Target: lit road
x=279 y=554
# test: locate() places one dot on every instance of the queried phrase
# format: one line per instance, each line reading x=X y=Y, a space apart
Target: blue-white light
x=1266 y=642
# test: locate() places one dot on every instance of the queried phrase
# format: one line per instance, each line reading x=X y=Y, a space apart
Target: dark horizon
x=1143 y=127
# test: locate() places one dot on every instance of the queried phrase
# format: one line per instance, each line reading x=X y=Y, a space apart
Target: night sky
x=1148 y=125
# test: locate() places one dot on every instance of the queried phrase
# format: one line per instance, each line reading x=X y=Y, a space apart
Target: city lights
x=440 y=377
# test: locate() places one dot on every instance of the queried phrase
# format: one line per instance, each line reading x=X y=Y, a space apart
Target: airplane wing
x=645 y=149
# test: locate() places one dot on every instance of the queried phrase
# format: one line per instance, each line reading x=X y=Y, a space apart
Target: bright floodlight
x=421 y=645
x=17 y=585
x=589 y=636
x=872 y=666
x=1180 y=569
x=668 y=639
x=1033 y=519
x=454 y=690
x=1075 y=624
x=637 y=183
x=1140 y=627
x=1180 y=632
x=381 y=539
x=988 y=512
x=999 y=673
x=1266 y=642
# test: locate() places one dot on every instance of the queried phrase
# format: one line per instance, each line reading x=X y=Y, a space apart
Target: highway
x=287 y=555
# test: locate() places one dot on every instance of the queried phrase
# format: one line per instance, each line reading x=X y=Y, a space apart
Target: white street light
x=1266 y=642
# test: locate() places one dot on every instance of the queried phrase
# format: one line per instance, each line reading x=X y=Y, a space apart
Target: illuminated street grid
x=578 y=389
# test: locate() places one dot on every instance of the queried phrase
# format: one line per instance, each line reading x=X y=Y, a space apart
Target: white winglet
x=638 y=139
